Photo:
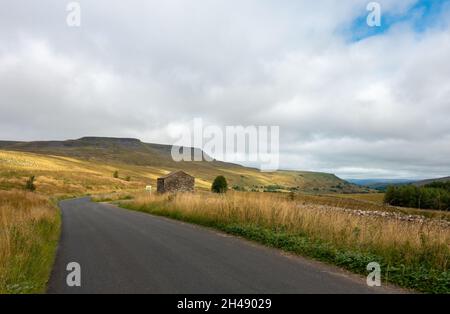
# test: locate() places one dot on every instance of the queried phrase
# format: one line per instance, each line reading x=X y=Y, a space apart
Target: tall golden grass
x=398 y=242
x=29 y=229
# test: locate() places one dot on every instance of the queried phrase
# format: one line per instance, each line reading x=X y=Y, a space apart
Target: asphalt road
x=122 y=251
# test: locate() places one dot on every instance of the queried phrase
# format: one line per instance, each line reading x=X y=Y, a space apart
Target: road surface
x=121 y=251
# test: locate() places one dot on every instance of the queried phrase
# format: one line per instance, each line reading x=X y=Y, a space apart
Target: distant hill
x=428 y=181
x=382 y=184
x=379 y=184
x=144 y=162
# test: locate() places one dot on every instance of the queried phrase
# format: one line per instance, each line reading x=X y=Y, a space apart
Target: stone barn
x=178 y=181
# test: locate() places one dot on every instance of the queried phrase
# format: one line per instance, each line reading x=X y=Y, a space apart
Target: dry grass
x=29 y=229
x=395 y=242
x=366 y=202
x=377 y=198
x=115 y=196
x=66 y=176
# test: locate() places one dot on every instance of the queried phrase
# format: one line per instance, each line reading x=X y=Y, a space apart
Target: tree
x=116 y=174
x=439 y=185
x=29 y=185
x=219 y=185
x=418 y=197
x=390 y=195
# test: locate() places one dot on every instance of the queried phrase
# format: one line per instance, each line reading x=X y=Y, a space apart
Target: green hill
x=428 y=181
x=141 y=163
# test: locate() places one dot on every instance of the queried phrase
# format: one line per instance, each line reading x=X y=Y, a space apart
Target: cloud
x=375 y=107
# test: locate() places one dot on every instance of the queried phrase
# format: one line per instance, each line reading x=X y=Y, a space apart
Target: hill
x=428 y=181
x=380 y=184
x=90 y=161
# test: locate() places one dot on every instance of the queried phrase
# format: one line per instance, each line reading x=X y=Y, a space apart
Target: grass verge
x=29 y=232
x=411 y=255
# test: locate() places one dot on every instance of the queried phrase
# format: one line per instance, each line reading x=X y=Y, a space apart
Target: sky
x=354 y=100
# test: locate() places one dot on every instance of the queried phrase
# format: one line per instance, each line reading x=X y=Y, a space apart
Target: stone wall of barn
x=160 y=185
x=178 y=182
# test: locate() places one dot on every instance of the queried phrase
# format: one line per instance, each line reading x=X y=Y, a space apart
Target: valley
x=87 y=165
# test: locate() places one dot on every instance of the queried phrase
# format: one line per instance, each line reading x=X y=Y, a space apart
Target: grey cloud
x=378 y=107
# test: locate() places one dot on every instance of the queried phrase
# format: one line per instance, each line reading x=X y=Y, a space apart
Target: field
x=370 y=202
x=57 y=175
x=306 y=219
x=412 y=254
x=377 y=198
x=29 y=232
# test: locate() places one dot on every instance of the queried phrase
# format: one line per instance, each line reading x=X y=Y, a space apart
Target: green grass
x=30 y=273
x=29 y=241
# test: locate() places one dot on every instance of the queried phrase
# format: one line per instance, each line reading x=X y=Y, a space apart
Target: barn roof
x=175 y=173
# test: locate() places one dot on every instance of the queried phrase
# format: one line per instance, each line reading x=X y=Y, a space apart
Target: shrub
x=219 y=185
x=116 y=174
x=29 y=185
x=239 y=188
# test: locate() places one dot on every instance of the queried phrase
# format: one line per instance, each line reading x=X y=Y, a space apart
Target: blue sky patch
x=421 y=16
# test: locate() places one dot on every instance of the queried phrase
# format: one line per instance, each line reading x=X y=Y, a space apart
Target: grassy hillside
x=380 y=184
x=58 y=175
x=87 y=164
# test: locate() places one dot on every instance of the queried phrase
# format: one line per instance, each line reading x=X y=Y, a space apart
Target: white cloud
x=377 y=107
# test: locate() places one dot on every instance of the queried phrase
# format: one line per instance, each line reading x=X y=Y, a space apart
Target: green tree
x=219 y=185
x=29 y=185
x=439 y=185
x=418 y=197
